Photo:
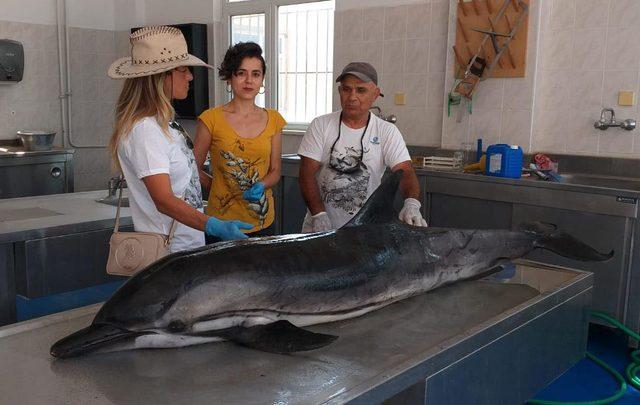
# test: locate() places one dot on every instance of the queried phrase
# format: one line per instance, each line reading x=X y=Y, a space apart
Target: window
x=305 y=60
x=297 y=40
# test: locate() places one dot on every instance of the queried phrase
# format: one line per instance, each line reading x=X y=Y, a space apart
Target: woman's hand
x=255 y=193
x=226 y=230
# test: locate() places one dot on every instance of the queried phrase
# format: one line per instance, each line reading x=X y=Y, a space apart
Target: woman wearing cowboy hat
x=244 y=142
x=154 y=155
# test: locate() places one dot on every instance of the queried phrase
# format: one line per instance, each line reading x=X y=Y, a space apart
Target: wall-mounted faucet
x=604 y=124
x=389 y=118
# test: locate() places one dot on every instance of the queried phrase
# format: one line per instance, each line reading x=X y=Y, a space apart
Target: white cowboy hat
x=154 y=50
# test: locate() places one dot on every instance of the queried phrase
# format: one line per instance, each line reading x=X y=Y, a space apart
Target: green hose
x=631 y=371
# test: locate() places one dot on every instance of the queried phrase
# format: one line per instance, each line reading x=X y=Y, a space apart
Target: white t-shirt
x=343 y=194
x=147 y=151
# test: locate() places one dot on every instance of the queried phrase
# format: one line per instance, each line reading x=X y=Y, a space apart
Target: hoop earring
x=264 y=89
x=228 y=88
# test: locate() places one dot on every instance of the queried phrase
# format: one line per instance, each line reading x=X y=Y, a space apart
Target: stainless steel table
x=45 y=216
x=52 y=244
x=491 y=342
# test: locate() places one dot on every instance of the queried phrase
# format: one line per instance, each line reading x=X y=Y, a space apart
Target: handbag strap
x=116 y=227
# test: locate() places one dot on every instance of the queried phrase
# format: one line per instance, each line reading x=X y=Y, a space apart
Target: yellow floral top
x=236 y=164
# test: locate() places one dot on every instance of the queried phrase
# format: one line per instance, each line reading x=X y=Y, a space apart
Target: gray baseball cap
x=362 y=70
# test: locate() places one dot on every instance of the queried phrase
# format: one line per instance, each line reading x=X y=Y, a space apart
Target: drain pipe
x=64 y=96
x=65 y=76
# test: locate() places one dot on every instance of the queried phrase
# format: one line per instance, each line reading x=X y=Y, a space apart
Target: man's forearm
x=311 y=192
x=409 y=186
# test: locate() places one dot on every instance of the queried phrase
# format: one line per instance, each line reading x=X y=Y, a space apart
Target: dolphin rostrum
x=261 y=292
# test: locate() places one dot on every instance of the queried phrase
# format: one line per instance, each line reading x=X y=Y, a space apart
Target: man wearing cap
x=345 y=153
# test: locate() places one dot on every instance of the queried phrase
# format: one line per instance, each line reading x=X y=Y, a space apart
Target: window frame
x=270 y=10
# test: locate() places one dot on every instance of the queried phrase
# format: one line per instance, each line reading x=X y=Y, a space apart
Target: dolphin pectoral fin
x=502 y=269
x=279 y=337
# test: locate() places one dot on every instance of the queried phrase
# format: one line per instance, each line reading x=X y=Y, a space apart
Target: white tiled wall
x=590 y=50
x=93 y=93
x=502 y=108
x=92 y=102
x=406 y=44
x=32 y=103
x=580 y=54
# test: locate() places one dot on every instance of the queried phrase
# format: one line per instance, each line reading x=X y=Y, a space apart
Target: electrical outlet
x=399 y=98
x=626 y=98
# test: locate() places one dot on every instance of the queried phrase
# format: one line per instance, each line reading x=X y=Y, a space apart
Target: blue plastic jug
x=504 y=161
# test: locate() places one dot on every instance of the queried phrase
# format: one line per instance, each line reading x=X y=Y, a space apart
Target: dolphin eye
x=176 y=326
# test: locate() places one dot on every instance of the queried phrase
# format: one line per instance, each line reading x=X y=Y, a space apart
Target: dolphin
x=262 y=292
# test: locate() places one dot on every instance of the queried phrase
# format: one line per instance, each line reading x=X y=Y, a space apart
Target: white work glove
x=410 y=213
x=321 y=222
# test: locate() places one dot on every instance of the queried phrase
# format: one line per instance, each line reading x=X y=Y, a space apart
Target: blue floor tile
x=586 y=380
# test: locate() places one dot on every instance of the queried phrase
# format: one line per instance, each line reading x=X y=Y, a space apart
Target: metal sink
x=20 y=214
x=611 y=182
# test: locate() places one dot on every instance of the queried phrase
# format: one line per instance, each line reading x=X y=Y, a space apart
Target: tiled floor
x=586 y=380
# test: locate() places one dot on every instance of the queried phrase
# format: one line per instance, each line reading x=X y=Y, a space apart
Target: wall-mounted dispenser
x=11 y=61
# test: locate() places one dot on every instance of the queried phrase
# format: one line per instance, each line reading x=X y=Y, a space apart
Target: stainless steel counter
x=608 y=185
x=59 y=214
x=53 y=244
x=581 y=182
x=613 y=200
x=30 y=173
x=474 y=325
x=8 y=151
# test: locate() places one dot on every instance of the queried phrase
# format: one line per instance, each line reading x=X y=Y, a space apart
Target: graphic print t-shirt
x=237 y=163
x=147 y=151
x=344 y=194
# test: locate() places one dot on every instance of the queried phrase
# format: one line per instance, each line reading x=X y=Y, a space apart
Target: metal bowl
x=36 y=140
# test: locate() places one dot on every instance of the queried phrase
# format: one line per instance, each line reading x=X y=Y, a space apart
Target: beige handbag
x=130 y=252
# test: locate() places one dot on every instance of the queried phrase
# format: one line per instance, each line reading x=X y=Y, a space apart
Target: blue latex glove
x=226 y=230
x=255 y=193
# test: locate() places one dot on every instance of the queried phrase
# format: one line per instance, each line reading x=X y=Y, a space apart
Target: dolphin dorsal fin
x=379 y=206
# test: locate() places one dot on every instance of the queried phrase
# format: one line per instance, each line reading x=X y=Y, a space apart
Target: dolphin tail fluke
x=280 y=337
x=89 y=339
x=549 y=238
x=566 y=245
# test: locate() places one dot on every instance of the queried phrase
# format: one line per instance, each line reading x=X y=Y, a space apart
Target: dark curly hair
x=235 y=55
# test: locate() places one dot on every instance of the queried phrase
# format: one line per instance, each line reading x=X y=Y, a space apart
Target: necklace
x=334 y=161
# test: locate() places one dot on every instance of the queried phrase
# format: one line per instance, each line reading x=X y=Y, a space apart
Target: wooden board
x=476 y=14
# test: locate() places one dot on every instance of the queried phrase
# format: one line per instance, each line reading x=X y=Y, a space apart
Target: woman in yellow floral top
x=244 y=142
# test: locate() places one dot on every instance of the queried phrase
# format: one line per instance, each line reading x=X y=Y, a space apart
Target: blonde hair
x=140 y=97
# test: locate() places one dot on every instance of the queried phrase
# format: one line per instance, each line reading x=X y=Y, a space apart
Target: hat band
x=160 y=60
